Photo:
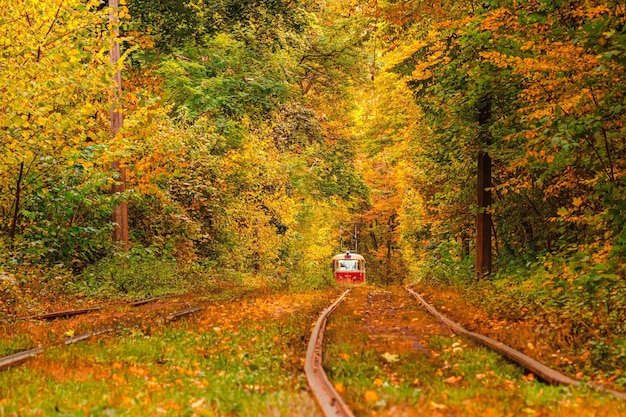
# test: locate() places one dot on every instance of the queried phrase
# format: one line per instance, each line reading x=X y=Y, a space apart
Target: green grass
x=16 y=344
x=138 y=273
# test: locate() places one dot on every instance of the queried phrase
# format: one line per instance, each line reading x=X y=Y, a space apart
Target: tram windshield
x=348 y=265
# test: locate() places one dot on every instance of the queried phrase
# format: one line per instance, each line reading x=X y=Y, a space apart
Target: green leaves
x=227 y=78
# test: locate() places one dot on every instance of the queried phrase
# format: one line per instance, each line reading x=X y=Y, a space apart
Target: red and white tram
x=349 y=268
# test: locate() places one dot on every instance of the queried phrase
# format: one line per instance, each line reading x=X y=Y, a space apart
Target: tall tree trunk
x=389 y=248
x=120 y=212
x=16 y=211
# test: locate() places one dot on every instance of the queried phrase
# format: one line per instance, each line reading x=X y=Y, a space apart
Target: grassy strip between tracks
x=448 y=376
x=237 y=358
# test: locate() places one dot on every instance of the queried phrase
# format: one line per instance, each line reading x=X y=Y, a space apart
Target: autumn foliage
x=235 y=155
x=539 y=86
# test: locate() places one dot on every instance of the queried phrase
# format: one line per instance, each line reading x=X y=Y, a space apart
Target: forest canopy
x=253 y=130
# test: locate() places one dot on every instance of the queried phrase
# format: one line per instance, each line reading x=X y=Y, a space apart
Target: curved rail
x=547 y=374
x=327 y=397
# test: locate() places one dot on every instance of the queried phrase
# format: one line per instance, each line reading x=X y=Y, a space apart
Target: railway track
x=332 y=404
x=22 y=356
x=330 y=401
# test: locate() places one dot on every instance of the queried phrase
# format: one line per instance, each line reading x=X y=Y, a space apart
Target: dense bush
x=139 y=272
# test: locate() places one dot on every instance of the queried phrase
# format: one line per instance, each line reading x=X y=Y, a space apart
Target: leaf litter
x=235 y=357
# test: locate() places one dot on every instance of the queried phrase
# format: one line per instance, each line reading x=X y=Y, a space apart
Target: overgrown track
x=60 y=314
x=327 y=397
x=20 y=357
x=76 y=312
x=547 y=374
x=332 y=404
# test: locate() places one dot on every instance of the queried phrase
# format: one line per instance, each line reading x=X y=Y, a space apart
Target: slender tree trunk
x=388 y=260
x=120 y=212
x=464 y=245
x=257 y=253
x=18 y=192
x=389 y=242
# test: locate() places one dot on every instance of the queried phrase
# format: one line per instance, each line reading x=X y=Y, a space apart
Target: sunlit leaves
x=54 y=94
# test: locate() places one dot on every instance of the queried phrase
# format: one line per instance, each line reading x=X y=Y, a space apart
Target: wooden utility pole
x=483 y=218
x=120 y=212
x=483 y=190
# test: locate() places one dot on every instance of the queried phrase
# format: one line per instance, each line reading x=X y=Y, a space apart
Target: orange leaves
x=498 y=19
x=370 y=396
x=453 y=380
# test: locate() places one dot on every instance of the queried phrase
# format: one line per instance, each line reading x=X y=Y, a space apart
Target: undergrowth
x=139 y=272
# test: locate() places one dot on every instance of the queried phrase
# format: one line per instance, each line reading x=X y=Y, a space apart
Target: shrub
x=139 y=272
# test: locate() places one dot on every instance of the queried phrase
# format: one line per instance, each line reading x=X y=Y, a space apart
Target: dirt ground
x=394 y=324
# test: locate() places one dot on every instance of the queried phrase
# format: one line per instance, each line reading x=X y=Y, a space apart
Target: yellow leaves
x=137 y=370
x=577 y=202
x=378 y=382
x=119 y=379
x=340 y=387
x=344 y=356
x=198 y=403
x=390 y=357
x=437 y=406
x=403 y=51
x=497 y=58
x=597 y=11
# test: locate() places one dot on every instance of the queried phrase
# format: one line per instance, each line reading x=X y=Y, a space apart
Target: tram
x=348 y=267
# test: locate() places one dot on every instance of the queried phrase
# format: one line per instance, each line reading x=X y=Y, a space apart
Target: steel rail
x=327 y=397
x=544 y=372
x=143 y=302
x=24 y=355
x=182 y=313
x=57 y=314
x=19 y=357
